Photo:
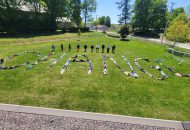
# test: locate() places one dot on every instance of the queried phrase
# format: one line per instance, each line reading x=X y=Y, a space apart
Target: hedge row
x=16 y=21
x=75 y=29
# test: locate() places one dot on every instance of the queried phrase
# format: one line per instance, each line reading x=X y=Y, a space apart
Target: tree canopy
x=124 y=6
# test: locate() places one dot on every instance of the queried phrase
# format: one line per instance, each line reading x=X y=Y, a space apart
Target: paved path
x=181 y=45
x=14 y=117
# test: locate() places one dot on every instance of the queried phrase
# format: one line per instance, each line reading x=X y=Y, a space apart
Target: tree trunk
x=85 y=17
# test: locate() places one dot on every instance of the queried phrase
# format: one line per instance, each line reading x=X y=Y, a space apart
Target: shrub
x=85 y=29
x=16 y=21
x=75 y=29
x=124 y=31
x=179 y=30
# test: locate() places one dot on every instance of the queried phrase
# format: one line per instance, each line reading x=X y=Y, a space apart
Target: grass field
x=76 y=90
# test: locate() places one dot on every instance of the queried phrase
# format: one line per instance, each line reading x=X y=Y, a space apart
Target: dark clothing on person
x=69 y=47
x=113 y=49
x=1 y=61
x=53 y=48
x=62 y=47
x=85 y=47
x=78 y=48
x=92 y=48
x=108 y=49
x=103 y=46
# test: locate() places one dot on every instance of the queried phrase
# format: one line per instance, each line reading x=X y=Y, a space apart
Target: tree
x=125 y=7
x=35 y=5
x=140 y=20
x=176 y=12
x=10 y=4
x=124 y=31
x=88 y=7
x=102 y=20
x=179 y=30
x=56 y=8
x=158 y=15
x=75 y=11
x=108 y=21
x=149 y=15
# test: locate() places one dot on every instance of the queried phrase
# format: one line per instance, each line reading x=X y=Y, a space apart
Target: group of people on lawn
x=92 y=48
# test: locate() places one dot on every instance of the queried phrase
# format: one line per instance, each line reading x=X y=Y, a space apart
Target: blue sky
x=109 y=7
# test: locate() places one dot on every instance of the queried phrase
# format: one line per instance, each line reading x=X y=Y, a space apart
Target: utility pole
x=167 y=22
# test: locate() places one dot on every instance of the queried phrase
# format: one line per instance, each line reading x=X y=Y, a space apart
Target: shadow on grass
x=31 y=35
x=124 y=40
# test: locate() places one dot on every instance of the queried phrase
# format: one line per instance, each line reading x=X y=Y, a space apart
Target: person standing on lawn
x=113 y=49
x=108 y=49
x=97 y=48
x=92 y=48
x=62 y=47
x=103 y=46
x=69 y=47
x=85 y=48
x=78 y=48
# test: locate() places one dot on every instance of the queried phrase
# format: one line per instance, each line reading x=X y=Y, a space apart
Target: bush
x=85 y=29
x=16 y=21
x=64 y=30
x=179 y=30
x=75 y=29
x=147 y=34
x=124 y=31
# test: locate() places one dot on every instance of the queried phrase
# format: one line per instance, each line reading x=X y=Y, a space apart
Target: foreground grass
x=76 y=90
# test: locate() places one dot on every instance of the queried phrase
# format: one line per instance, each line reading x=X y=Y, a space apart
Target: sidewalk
x=181 y=45
x=32 y=118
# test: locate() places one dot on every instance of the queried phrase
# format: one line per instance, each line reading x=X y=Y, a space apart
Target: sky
x=109 y=8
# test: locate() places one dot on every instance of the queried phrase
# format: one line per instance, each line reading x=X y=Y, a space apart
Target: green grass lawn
x=76 y=90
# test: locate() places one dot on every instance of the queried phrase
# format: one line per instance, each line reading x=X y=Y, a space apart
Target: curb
x=177 y=125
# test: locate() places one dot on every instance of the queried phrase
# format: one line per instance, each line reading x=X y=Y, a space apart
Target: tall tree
x=75 y=8
x=158 y=15
x=108 y=21
x=149 y=15
x=124 y=6
x=56 y=8
x=88 y=7
x=141 y=20
x=102 y=20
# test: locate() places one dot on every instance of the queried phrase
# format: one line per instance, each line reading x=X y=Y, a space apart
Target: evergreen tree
x=108 y=21
x=125 y=7
x=102 y=20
